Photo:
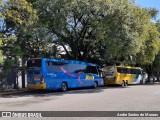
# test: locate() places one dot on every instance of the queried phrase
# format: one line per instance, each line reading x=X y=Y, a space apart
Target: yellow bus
x=119 y=75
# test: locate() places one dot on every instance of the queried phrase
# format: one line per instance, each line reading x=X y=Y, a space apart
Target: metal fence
x=10 y=78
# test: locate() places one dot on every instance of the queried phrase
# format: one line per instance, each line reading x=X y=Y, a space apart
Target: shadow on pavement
x=151 y=84
x=47 y=93
x=41 y=93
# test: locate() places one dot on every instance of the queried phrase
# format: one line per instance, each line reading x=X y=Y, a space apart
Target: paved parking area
x=131 y=98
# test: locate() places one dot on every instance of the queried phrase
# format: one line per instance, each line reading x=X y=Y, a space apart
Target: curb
x=12 y=92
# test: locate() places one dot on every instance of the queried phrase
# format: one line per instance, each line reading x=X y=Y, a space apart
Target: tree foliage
x=97 y=31
x=1 y=55
x=19 y=18
x=150 y=46
x=153 y=12
x=73 y=23
x=1 y=37
x=155 y=65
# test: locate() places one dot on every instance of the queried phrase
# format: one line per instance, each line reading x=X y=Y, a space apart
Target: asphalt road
x=131 y=98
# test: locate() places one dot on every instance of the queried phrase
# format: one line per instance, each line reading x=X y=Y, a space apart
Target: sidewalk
x=13 y=91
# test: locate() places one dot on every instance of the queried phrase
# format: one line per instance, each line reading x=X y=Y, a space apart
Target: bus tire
x=95 y=84
x=123 y=83
x=141 y=82
x=64 y=87
x=144 y=81
x=126 y=83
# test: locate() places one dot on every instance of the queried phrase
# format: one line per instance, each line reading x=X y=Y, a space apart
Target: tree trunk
x=153 y=79
x=149 y=78
x=158 y=77
x=23 y=72
x=15 y=78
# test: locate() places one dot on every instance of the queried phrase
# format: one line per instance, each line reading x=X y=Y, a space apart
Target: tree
x=155 y=66
x=74 y=24
x=18 y=17
x=153 y=12
x=150 y=46
x=1 y=55
x=24 y=36
x=94 y=30
x=158 y=26
x=89 y=30
x=129 y=32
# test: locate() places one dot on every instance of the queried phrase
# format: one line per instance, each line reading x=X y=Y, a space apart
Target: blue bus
x=52 y=74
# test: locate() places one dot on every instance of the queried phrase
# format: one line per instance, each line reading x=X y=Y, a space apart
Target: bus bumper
x=111 y=81
x=37 y=86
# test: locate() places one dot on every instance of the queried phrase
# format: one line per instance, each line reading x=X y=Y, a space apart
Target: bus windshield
x=34 y=63
x=34 y=66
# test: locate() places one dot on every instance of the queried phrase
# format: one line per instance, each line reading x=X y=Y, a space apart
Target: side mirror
x=100 y=72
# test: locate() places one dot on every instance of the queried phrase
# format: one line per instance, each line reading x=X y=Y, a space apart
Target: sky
x=149 y=3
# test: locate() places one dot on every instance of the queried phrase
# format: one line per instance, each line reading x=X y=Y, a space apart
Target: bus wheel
x=64 y=87
x=95 y=84
x=141 y=81
x=123 y=83
x=126 y=84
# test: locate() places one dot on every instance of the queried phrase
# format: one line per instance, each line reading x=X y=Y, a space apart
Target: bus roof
x=130 y=67
x=67 y=61
x=124 y=67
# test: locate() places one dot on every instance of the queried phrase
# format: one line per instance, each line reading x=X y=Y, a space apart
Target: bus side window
x=124 y=70
x=129 y=71
x=119 y=70
x=133 y=71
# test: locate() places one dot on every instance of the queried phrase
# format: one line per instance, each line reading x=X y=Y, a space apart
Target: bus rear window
x=109 y=73
x=34 y=63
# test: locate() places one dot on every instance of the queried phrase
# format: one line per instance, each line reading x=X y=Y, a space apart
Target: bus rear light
x=115 y=78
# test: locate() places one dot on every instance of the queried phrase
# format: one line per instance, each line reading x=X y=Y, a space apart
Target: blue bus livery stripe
x=57 y=71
